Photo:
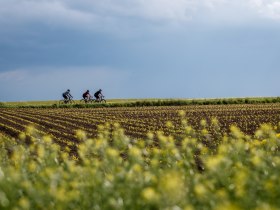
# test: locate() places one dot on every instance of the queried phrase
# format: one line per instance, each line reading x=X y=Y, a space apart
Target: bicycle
x=93 y=100
x=100 y=100
x=90 y=100
x=66 y=101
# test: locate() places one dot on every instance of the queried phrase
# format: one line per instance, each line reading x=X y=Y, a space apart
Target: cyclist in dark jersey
x=98 y=94
x=86 y=95
x=66 y=95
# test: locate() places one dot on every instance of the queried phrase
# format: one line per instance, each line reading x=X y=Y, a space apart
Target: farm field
x=204 y=157
x=62 y=124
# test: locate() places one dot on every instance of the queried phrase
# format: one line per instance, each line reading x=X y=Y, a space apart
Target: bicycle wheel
x=102 y=100
x=82 y=101
x=61 y=102
x=71 y=101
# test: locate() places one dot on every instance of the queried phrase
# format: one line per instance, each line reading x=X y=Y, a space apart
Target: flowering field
x=192 y=157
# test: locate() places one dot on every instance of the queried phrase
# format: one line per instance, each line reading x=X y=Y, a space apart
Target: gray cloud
x=49 y=45
x=107 y=15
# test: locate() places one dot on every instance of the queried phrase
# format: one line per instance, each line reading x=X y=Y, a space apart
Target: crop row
x=62 y=124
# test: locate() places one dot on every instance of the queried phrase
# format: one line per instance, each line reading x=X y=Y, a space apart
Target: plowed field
x=62 y=124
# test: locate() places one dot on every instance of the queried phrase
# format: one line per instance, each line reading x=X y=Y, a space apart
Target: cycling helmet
x=100 y=90
x=87 y=91
x=68 y=90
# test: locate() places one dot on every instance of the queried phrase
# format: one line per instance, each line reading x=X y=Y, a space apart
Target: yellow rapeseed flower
x=204 y=132
x=270 y=186
x=256 y=160
x=112 y=153
x=215 y=121
x=154 y=163
x=149 y=194
x=172 y=186
x=30 y=130
x=24 y=203
x=200 y=190
x=47 y=139
x=189 y=207
x=203 y=123
x=61 y=194
x=182 y=113
x=213 y=162
x=22 y=136
x=41 y=151
x=150 y=135
x=32 y=166
x=227 y=206
x=240 y=180
x=137 y=168
x=169 y=124
x=81 y=135
x=135 y=152
x=222 y=194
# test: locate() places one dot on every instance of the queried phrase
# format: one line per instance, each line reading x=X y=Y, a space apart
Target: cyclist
x=66 y=95
x=98 y=95
x=86 y=95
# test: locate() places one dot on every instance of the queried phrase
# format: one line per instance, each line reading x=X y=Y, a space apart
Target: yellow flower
x=222 y=194
x=204 y=132
x=154 y=163
x=203 y=123
x=214 y=121
x=150 y=195
x=47 y=139
x=22 y=136
x=41 y=151
x=240 y=181
x=135 y=152
x=24 y=203
x=169 y=124
x=182 y=113
x=32 y=166
x=189 y=207
x=81 y=135
x=150 y=135
x=200 y=190
x=137 y=168
x=30 y=129
x=256 y=160
x=213 y=162
x=112 y=153
x=227 y=206
x=61 y=194
x=270 y=186
x=172 y=186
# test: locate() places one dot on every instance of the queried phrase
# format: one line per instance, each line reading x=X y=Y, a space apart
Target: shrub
x=115 y=172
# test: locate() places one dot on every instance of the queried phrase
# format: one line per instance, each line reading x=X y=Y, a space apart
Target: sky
x=139 y=48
